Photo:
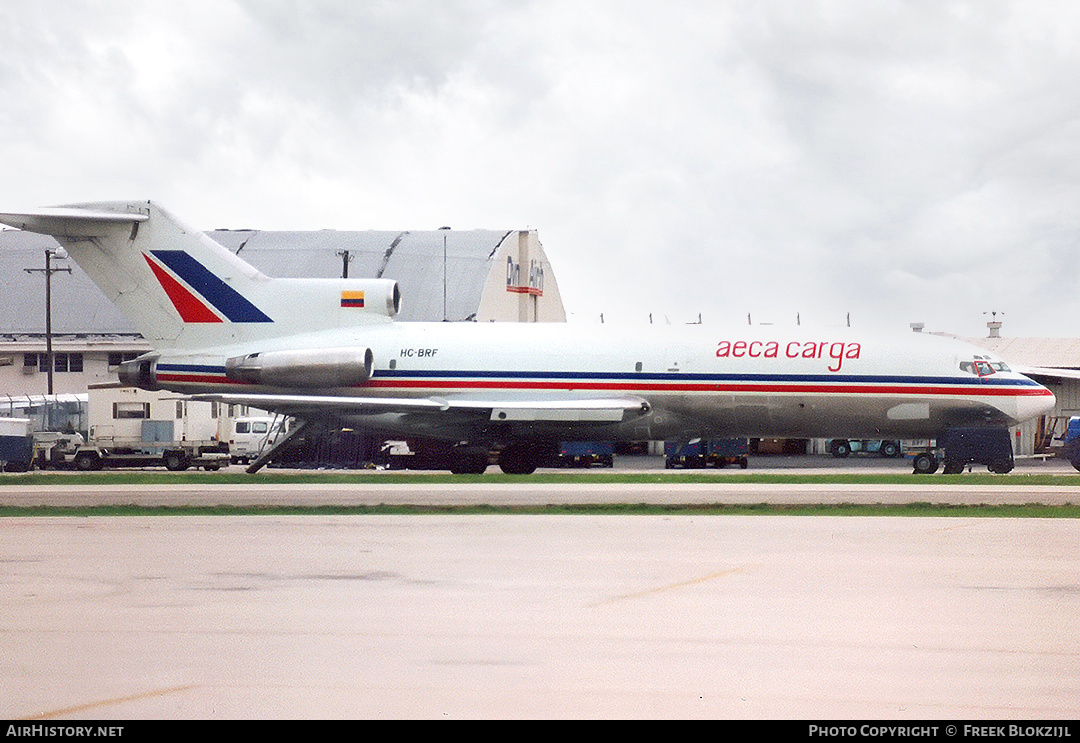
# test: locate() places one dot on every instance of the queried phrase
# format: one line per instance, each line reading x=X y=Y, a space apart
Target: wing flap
x=545 y=408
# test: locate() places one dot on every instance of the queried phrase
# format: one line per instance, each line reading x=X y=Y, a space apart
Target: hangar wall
x=453 y=275
x=470 y=275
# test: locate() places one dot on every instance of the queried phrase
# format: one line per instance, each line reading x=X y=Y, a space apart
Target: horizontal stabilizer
x=69 y=221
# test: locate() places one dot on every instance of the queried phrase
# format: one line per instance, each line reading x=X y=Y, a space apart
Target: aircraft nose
x=1039 y=401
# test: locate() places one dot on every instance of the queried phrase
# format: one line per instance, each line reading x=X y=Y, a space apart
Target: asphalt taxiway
x=525 y=616
x=666 y=488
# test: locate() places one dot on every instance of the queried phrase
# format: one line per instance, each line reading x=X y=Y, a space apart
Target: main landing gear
x=523 y=457
x=519 y=458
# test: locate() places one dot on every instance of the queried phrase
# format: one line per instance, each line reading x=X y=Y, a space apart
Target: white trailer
x=130 y=427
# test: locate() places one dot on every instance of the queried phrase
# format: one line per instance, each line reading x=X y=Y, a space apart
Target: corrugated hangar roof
x=1060 y=353
x=414 y=259
x=78 y=305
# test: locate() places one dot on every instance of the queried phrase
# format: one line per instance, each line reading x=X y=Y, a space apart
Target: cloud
x=901 y=162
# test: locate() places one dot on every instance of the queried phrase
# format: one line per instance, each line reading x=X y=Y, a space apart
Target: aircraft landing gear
x=468 y=461
x=521 y=458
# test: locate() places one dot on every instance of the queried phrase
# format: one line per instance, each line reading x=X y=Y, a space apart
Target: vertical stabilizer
x=183 y=290
x=179 y=287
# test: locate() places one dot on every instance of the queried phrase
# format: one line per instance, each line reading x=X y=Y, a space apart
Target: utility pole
x=444 y=316
x=346 y=259
x=60 y=254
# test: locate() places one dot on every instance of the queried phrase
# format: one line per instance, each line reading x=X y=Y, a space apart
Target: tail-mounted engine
x=370 y=296
x=140 y=372
x=309 y=367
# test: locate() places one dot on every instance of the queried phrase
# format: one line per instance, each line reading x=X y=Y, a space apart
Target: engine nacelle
x=308 y=367
x=375 y=296
x=140 y=372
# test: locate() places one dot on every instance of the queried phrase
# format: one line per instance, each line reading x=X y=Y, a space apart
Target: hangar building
x=1062 y=354
x=471 y=275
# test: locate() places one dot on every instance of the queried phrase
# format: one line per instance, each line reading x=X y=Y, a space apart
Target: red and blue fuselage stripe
x=645 y=382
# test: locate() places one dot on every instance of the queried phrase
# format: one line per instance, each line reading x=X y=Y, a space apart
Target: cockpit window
x=984 y=366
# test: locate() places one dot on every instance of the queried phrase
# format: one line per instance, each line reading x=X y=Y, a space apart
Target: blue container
x=16 y=444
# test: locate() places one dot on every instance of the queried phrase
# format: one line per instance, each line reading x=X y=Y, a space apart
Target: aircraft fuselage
x=697 y=380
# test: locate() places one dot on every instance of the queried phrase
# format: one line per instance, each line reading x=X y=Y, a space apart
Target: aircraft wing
x=551 y=407
x=1046 y=372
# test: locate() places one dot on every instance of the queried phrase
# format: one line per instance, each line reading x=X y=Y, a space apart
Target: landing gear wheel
x=518 y=460
x=464 y=462
x=925 y=464
x=1000 y=468
x=953 y=468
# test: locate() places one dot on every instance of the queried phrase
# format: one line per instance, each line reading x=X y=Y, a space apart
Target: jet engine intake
x=308 y=367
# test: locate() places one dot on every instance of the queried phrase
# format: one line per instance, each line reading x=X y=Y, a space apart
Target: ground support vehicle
x=698 y=453
x=585 y=454
x=16 y=444
x=959 y=447
x=96 y=455
x=432 y=454
x=843 y=447
x=250 y=435
x=396 y=455
x=1071 y=449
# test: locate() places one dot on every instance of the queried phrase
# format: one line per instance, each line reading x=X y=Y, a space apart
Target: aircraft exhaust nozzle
x=141 y=373
x=309 y=367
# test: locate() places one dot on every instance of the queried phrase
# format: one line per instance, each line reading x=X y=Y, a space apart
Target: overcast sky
x=898 y=161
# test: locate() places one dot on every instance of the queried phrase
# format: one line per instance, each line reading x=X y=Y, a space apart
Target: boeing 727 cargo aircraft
x=329 y=352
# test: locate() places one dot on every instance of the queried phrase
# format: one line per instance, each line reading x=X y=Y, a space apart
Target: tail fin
x=183 y=290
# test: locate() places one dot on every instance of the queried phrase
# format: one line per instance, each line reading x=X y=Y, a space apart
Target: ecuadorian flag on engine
x=352 y=299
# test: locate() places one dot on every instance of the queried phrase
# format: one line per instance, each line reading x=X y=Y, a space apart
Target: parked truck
x=251 y=435
x=841 y=448
x=585 y=454
x=960 y=447
x=1071 y=449
x=105 y=449
x=129 y=427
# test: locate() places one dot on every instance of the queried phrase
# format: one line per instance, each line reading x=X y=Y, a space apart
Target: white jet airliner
x=329 y=352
